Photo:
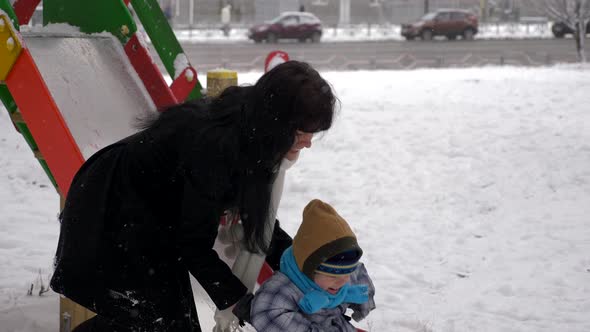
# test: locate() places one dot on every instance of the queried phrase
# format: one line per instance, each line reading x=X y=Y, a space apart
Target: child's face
x=330 y=284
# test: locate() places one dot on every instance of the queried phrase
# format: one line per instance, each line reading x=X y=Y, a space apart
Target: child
x=320 y=278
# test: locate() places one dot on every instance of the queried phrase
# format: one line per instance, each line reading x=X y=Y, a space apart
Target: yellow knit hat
x=323 y=234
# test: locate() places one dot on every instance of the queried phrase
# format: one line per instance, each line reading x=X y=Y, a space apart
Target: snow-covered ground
x=469 y=190
x=364 y=32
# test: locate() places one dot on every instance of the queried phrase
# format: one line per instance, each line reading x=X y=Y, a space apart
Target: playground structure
x=80 y=83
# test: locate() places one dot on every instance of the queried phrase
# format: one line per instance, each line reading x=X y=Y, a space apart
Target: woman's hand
x=227 y=320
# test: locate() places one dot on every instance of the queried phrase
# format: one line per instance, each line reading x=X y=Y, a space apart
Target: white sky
x=469 y=191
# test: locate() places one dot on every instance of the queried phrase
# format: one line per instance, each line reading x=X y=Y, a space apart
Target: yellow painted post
x=10 y=46
x=71 y=314
x=483 y=13
x=219 y=79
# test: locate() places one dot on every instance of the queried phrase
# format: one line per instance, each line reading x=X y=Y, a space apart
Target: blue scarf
x=315 y=298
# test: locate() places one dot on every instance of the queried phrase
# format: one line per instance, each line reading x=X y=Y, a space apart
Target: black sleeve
x=279 y=242
x=207 y=189
x=196 y=236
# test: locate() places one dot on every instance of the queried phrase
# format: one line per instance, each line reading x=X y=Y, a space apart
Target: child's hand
x=361 y=310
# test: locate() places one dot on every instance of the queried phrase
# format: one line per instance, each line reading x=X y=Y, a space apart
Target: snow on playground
x=469 y=190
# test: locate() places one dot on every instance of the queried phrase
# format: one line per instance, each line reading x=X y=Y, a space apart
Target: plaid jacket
x=275 y=309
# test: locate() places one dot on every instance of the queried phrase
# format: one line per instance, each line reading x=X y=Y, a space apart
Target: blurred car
x=560 y=29
x=289 y=25
x=450 y=23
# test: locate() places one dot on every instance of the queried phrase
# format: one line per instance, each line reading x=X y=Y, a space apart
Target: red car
x=289 y=25
x=449 y=23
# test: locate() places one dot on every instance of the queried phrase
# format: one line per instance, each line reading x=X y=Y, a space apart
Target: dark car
x=449 y=23
x=289 y=25
x=560 y=29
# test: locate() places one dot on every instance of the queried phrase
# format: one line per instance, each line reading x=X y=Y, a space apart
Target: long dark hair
x=267 y=115
x=290 y=97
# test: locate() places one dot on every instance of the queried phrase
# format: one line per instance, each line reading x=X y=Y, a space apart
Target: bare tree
x=575 y=14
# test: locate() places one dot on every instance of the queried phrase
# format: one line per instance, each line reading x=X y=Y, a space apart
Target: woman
x=144 y=211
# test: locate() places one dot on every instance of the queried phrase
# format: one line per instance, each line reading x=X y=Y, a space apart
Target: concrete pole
x=191 y=12
x=426 y=6
x=344 y=12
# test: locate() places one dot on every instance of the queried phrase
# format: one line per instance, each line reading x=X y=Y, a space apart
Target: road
x=246 y=56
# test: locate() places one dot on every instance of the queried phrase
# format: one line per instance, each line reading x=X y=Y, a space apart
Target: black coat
x=142 y=213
